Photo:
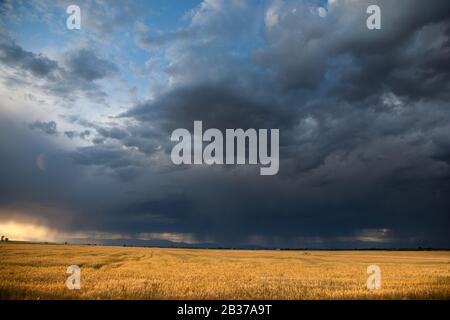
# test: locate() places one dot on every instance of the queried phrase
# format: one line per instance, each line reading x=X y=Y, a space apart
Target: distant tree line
x=4 y=239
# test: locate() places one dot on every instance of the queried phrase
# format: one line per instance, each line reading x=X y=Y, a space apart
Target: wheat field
x=38 y=271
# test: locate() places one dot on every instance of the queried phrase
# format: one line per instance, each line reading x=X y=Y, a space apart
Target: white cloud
x=322 y=12
x=272 y=17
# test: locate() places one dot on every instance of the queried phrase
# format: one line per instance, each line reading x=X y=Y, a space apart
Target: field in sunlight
x=34 y=271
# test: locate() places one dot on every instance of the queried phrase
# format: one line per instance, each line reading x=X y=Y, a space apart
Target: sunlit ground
x=34 y=271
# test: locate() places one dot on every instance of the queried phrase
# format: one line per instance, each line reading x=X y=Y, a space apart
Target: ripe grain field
x=38 y=271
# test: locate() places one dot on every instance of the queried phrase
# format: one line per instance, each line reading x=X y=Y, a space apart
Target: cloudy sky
x=364 y=117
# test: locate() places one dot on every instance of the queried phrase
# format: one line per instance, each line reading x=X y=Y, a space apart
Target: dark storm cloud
x=346 y=99
x=303 y=48
x=218 y=105
x=363 y=117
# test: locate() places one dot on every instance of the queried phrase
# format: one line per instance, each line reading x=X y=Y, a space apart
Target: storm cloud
x=363 y=118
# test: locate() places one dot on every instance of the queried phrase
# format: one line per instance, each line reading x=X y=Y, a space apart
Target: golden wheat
x=34 y=271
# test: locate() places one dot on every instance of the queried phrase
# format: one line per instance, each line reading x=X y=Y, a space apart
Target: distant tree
x=3 y=237
x=6 y=239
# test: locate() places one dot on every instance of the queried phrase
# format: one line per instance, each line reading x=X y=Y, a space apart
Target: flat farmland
x=38 y=271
